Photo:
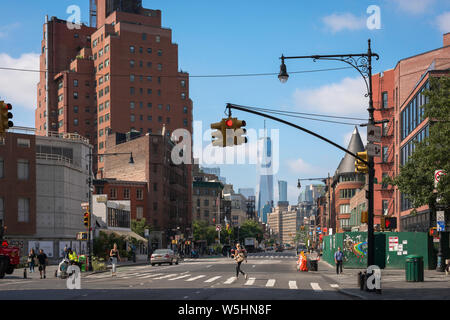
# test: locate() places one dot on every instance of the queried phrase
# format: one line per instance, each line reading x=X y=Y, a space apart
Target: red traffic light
x=229 y=123
x=387 y=223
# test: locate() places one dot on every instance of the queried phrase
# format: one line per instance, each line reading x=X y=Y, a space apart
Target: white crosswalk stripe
x=316 y=286
x=270 y=283
x=334 y=285
x=213 y=279
x=197 y=277
x=230 y=280
x=293 y=285
x=250 y=281
x=180 y=277
x=167 y=276
x=151 y=275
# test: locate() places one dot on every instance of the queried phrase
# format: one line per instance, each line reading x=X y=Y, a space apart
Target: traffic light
x=5 y=115
x=86 y=219
x=228 y=132
x=364 y=217
x=390 y=223
x=361 y=167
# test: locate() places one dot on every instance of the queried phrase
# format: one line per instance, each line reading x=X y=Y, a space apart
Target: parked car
x=161 y=256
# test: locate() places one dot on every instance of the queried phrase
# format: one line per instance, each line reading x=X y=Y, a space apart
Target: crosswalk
x=221 y=280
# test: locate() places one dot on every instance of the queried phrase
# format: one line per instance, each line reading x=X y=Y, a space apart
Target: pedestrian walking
x=239 y=256
x=338 y=259
x=31 y=259
x=114 y=257
x=302 y=262
x=43 y=262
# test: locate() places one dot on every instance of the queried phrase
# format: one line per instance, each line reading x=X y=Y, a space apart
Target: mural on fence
x=354 y=247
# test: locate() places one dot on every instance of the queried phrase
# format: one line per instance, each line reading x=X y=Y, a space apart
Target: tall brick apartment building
x=398 y=98
x=120 y=76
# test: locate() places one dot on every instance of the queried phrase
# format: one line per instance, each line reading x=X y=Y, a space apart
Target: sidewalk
x=436 y=285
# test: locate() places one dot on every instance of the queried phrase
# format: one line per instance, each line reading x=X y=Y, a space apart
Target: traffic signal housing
x=361 y=167
x=5 y=115
x=86 y=219
x=390 y=223
x=365 y=217
x=229 y=132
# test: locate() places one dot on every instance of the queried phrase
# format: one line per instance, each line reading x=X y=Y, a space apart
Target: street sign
x=218 y=227
x=441 y=226
x=437 y=176
x=85 y=205
x=440 y=221
x=373 y=133
x=374 y=150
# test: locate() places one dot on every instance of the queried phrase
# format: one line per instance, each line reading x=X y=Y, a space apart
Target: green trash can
x=82 y=262
x=414 y=268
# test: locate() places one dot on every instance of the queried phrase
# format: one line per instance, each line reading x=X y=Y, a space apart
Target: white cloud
x=338 y=22
x=19 y=87
x=345 y=97
x=443 y=22
x=5 y=30
x=300 y=166
x=414 y=6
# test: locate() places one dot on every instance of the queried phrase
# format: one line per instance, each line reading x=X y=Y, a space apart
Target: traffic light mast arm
x=241 y=108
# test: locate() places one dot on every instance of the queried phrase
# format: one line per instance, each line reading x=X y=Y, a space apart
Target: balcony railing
x=53 y=157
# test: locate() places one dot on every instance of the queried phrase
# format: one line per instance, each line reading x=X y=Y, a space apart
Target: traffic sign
x=218 y=227
x=373 y=133
x=441 y=226
x=374 y=150
x=437 y=176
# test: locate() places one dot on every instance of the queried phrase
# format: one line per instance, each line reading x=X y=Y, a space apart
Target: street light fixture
x=283 y=76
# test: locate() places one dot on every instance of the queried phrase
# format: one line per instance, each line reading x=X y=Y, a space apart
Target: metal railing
x=68 y=136
x=53 y=157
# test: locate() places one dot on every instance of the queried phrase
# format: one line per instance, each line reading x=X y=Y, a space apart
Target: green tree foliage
x=249 y=229
x=105 y=242
x=416 y=178
x=202 y=231
x=139 y=226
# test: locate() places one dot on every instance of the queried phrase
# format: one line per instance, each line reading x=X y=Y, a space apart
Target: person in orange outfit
x=302 y=265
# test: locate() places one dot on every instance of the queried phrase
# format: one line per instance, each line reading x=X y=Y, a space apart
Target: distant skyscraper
x=265 y=187
x=310 y=193
x=282 y=190
x=247 y=192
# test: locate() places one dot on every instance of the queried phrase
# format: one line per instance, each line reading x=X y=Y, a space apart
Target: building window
x=346 y=193
x=384 y=102
x=385 y=154
x=132 y=49
x=385 y=206
x=75 y=83
x=185 y=109
x=132 y=118
x=139 y=194
x=139 y=213
x=132 y=63
x=149 y=91
x=149 y=50
x=23 y=169
x=159 y=67
x=131 y=77
x=107 y=117
x=2 y=164
x=206 y=202
x=159 y=53
x=24 y=143
x=131 y=90
x=344 y=208
x=75 y=95
x=183 y=83
x=158 y=39
x=126 y=193
x=23 y=210
x=185 y=122
x=183 y=96
x=113 y=193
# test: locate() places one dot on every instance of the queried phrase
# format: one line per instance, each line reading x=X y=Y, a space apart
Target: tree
x=250 y=229
x=139 y=226
x=416 y=178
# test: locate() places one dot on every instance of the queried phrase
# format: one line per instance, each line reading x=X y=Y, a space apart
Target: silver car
x=161 y=256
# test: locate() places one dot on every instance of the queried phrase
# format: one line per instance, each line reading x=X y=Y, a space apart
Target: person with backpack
x=239 y=256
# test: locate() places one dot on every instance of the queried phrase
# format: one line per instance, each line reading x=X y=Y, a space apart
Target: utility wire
x=179 y=76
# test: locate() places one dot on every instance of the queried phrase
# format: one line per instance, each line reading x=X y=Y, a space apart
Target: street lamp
x=90 y=155
x=362 y=62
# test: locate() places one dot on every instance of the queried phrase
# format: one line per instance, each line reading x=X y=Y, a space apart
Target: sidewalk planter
x=414 y=268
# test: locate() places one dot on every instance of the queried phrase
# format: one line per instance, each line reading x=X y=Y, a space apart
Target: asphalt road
x=271 y=276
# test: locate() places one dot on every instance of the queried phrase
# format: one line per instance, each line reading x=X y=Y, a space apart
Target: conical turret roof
x=347 y=164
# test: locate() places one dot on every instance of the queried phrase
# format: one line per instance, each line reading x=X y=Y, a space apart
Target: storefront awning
x=126 y=234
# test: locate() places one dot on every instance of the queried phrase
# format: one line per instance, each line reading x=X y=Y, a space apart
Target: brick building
x=167 y=199
x=397 y=98
x=120 y=76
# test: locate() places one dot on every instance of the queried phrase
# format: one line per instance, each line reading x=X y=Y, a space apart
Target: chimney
x=447 y=39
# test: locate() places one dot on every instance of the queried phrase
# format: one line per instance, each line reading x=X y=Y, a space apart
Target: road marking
x=293 y=285
x=316 y=286
x=334 y=285
x=167 y=276
x=209 y=266
x=151 y=275
x=253 y=266
x=230 y=280
x=213 y=279
x=270 y=283
x=195 y=278
x=180 y=277
x=250 y=281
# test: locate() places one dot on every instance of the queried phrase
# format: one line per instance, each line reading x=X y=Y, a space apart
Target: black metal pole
x=90 y=215
x=370 y=227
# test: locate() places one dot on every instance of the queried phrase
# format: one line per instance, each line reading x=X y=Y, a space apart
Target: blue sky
x=242 y=37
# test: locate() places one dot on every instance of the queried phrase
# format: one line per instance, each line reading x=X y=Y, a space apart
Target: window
x=100 y=119
x=141 y=64
x=149 y=91
x=100 y=132
x=149 y=118
x=155 y=187
x=346 y=193
x=149 y=78
x=159 y=67
x=106 y=90
x=100 y=145
x=206 y=213
x=344 y=208
x=185 y=122
x=149 y=50
x=206 y=202
x=185 y=109
x=106 y=104
x=24 y=143
x=132 y=90
x=160 y=106
x=383 y=184
x=159 y=53
x=139 y=213
x=144 y=36
x=106 y=63
x=159 y=119
x=385 y=206
x=158 y=39
x=132 y=49
x=131 y=77
x=149 y=64
x=132 y=63
x=75 y=95
x=113 y=193
x=23 y=169
x=107 y=77
x=384 y=102
x=2 y=164
x=75 y=83
x=23 y=214
x=126 y=193
x=107 y=48
x=385 y=154
x=100 y=81
x=132 y=118
x=155 y=206
x=131 y=105
x=139 y=194
x=183 y=83
x=107 y=117
x=183 y=96
x=100 y=107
